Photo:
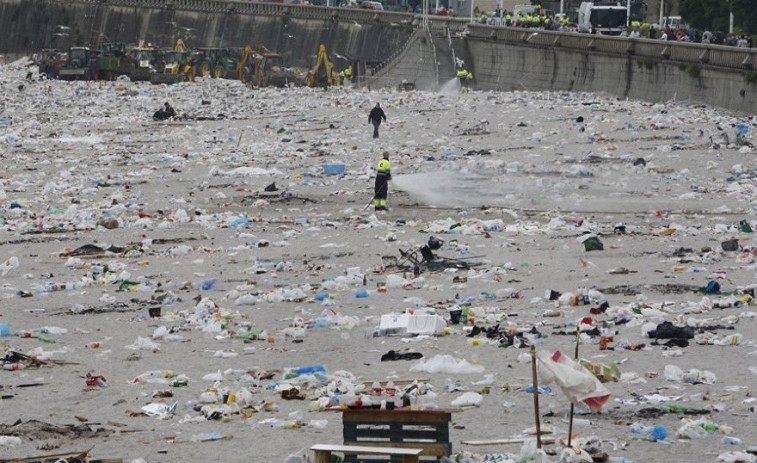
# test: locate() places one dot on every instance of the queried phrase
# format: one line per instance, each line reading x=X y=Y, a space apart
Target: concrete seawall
x=641 y=69
x=508 y=59
x=30 y=25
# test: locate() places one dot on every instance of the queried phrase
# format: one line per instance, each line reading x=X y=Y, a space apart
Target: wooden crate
x=427 y=430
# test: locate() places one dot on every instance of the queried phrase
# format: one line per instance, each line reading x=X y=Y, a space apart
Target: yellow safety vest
x=384 y=166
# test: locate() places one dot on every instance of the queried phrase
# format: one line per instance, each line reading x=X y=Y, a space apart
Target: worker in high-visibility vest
x=345 y=77
x=462 y=76
x=381 y=186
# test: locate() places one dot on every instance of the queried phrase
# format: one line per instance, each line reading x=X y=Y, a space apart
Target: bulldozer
x=323 y=73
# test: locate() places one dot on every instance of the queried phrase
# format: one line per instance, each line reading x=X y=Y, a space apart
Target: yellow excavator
x=178 y=66
x=246 y=65
x=323 y=73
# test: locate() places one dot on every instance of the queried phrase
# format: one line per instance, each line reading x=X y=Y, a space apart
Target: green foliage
x=646 y=62
x=714 y=14
x=750 y=77
x=693 y=69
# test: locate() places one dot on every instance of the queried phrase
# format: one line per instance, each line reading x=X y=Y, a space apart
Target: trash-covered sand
x=202 y=290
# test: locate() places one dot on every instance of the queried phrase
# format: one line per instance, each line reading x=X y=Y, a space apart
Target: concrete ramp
x=415 y=63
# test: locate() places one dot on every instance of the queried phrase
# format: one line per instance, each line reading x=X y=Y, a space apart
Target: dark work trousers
x=376 y=124
x=381 y=187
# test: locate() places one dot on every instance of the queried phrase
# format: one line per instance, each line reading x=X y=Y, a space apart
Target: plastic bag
x=446 y=364
x=468 y=399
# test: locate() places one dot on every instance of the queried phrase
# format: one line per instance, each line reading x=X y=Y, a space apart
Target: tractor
x=144 y=59
x=112 y=61
x=219 y=63
x=80 y=64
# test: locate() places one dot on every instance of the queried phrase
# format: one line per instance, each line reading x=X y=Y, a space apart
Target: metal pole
x=570 y=423
x=662 y=8
x=536 y=396
x=562 y=6
x=730 y=23
x=471 y=10
x=628 y=13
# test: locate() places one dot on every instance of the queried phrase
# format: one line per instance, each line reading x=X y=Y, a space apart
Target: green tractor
x=220 y=63
x=112 y=61
x=80 y=64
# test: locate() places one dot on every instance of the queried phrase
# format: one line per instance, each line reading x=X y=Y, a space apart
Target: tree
x=715 y=14
x=706 y=14
x=745 y=16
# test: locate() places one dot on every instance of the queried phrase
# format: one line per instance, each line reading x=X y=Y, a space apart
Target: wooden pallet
x=427 y=430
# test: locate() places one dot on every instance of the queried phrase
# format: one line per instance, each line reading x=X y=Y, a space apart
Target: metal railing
x=714 y=55
x=263 y=9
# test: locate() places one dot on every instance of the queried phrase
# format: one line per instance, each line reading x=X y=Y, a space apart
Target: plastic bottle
x=207 y=285
x=153 y=374
x=93 y=345
x=14 y=366
x=731 y=440
x=309 y=369
x=5 y=330
x=654 y=433
x=390 y=390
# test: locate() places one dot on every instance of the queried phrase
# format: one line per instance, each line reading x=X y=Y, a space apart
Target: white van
x=378 y=6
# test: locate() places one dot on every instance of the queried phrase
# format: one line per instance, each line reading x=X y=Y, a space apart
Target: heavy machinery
x=323 y=73
x=217 y=62
x=144 y=60
x=174 y=66
x=270 y=70
x=112 y=61
x=79 y=65
x=246 y=65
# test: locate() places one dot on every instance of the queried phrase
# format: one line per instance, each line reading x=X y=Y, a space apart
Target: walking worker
x=381 y=187
x=375 y=118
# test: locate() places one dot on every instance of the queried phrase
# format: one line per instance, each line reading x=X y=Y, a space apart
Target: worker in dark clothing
x=166 y=112
x=381 y=187
x=375 y=118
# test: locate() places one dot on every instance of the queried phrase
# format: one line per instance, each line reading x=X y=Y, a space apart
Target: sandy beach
x=177 y=217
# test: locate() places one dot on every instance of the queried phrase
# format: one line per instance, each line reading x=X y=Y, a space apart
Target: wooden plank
x=431 y=435
x=544 y=440
x=365 y=450
x=409 y=417
x=435 y=450
x=322 y=456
